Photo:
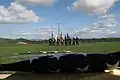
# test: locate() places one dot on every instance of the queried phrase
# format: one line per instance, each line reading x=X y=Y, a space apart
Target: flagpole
x=52 y=31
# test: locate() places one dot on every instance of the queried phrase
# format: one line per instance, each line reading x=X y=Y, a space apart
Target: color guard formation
x=66 y=41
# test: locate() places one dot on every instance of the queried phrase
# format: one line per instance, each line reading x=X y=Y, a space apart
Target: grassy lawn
x=7 y=50
x=10 y=49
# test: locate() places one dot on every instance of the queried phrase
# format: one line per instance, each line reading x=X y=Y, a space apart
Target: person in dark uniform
x=58 y=41
x=50 y=42
x=69 y=41
x=65 y=41
x=54 y=41
x=77 y=41
x=73 y=42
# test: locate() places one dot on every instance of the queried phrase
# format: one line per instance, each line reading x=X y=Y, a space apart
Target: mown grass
x=8 y=49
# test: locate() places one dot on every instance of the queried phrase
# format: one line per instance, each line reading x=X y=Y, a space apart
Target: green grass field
x=8 y=49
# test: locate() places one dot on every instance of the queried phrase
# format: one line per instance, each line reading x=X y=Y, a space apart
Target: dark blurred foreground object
x=66 y=63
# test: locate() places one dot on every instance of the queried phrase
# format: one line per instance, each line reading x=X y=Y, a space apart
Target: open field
x=9 y=49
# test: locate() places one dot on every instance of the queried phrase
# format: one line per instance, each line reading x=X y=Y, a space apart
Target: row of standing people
x=66 y=41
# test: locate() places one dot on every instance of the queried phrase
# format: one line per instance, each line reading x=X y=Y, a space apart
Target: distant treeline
x=93 y=40
x=100 y=40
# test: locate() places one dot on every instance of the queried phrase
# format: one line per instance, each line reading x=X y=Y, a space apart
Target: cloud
x=106 y=21
x=36 y=33
x=93 y=6
x=44 y=33
x=23 y=33
x=101 y=28
x=17 y=13
x=36 y=2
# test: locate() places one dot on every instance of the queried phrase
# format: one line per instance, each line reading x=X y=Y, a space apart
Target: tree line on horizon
x=92 y=40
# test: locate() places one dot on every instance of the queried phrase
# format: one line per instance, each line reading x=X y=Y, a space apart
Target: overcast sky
x=36 y=19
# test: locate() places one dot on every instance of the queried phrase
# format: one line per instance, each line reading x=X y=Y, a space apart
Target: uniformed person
x=58 y=41
x=73 y=42
x=77 y=41
x=54 y=41
x=69 y=41
x=50 y=42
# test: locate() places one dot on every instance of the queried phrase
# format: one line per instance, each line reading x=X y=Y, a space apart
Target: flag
x=52 y=35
